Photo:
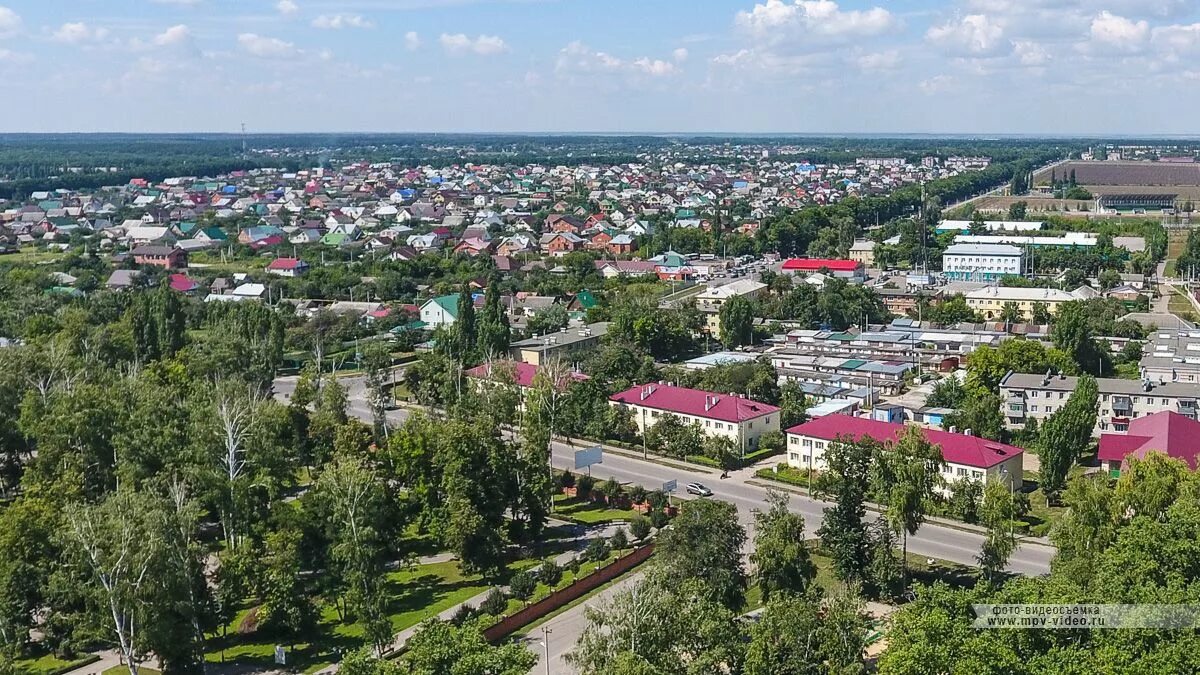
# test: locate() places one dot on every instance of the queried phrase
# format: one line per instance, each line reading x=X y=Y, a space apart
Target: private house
x=622 y=244
x=440 y=311
x=1166 y=432
x=966 y=457
x=610 y=269
x=558 y=244
x=740 y=419
x=166 y=257
x=287 y=267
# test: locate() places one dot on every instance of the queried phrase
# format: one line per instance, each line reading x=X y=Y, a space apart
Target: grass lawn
x=416 y=595
x=31 y=256
x=588 y=512
x=1181 y=307
x=46 y=662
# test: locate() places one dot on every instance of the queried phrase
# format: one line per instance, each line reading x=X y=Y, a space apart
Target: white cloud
x=936 y=83
x=974 y=34
x=1119 y=32
x=175 y=35
x=339 y=21
x=412 y=41
x=878 y=61
x=1030 y=53
x=654 y=67
x=483 y=45
x=266 y=47
x=7 y=56
x=287 y=7
x=680 y=55
x=579 y=59
x=78 y=33
x=10 y=22
x=1178 y=38
x=776 y=19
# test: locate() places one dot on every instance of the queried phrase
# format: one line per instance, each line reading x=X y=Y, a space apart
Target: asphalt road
x=932 y=540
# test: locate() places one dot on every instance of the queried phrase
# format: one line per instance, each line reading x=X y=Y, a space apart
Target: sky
x=1054 y=67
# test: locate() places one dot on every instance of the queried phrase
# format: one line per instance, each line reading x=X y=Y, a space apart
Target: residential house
x=737 y=418
x=166 y=257
x=1169 y=433
x=287 y=267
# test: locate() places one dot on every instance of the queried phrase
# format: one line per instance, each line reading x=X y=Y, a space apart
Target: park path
x=109 y=658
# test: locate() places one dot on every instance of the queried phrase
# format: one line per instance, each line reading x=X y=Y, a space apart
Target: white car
x=698 y=489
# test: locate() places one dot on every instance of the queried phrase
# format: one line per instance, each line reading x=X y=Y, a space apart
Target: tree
x=1109 y=279
x=522 y=585
x=549 y=320
x=846 y=481
x=906 y=474
x=1040 y=313
x=1011 y=312
x=1065 y=434
x=376 y=360
x=1072 y=335
x=794 y=636
x=461 y=341
x=358 y=507
x=439 y=648
x=1017 y=210
x=998 y=514
x=965 y=495
x=1087 y=527
x=494 y=331
x=781 y=558
x=737 y=321
x=286 y=610
x=705 y=543
x=793 y=405
x=118 y=542
x=662 y=624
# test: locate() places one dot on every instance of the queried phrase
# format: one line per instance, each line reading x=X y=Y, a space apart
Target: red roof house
x=182 y=283
x=959 y=449
x=287 y=267
x=694 y=402
x=1166 y=432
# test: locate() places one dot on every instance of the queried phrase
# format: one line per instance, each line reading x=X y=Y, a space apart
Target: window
x=805 y=459
x=654 y=413
x=808 y=442
x=1033 y=394
x=793 y=457
x=792 y=440
x=962 y=472
x=977 y=475
x=1033 y=408
x=708 y=423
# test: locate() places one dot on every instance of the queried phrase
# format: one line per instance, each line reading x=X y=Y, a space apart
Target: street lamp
x=546 y=632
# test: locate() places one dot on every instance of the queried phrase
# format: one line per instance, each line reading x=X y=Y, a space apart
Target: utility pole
x=546 y=632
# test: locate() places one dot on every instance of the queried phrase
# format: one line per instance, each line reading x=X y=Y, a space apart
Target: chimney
x=953 y=429
x=968 y=432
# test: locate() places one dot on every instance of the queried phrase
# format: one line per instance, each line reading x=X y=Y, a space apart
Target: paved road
x=932 y=540
x=566 y=628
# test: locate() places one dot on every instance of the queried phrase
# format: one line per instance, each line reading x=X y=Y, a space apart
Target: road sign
x=588 y=456
x=280 y=656
x=670 y=486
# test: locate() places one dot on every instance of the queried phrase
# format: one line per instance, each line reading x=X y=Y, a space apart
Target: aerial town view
x=495 y=337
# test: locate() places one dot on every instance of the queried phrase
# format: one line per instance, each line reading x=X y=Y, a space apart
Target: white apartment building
x=735 y=417
x=981 y=262
x=1027 y=397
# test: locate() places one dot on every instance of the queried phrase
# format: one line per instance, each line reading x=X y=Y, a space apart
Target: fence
x=566 y=594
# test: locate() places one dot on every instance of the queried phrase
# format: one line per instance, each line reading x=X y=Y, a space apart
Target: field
x=1125 y=174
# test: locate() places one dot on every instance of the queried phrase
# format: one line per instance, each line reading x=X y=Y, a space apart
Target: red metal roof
x=284 y=264
x=816 y=264
x=695 y=402
x=1167 y=432
x=956 y=448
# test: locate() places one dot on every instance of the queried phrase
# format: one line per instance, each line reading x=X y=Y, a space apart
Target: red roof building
x=1166 y=432
x=182 y=283
x=287 y=267
x=966 y=456
x=842 y=269
x=741 y=419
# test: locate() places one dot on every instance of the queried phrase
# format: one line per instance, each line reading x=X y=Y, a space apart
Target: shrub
x=463 y=614
x=572 y=566
x=549 y=573
x=619 y=539
x=494 y=604
x=522 y=585
x=597 y=550
x=566 y=479
x=657 y=500
x=639 y=527
x=584 y=486
x=611 y=489
x=659 y=519
x=637 y=494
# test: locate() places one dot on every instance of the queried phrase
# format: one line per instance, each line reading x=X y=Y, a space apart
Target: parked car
x=698 y=489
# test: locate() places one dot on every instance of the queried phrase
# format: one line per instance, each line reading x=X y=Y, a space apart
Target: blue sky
x=931 y=66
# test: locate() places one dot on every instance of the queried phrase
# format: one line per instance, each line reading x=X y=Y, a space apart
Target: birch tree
x=117 y=541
